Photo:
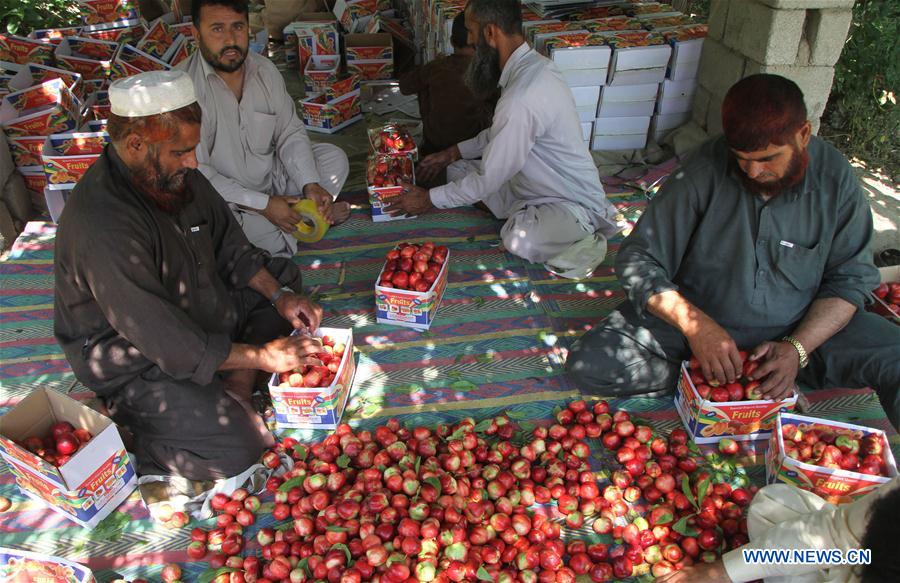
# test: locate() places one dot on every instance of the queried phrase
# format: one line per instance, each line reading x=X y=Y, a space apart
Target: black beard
x=215 y=60
x=795 y=173
x=170 y=193
x=483 y=73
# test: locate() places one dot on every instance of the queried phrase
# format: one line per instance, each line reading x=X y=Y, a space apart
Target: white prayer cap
x=151 y=93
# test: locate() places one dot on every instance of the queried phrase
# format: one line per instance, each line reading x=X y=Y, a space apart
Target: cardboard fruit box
x=410 y=308
x=880 y=306
x=35 y=74
x=60 y=114
x=316 y=408
x=25 y=567
x=96 y=479
x=129 y=31
x=709 y=421
x=324 y=115
x=23 y=50
x=835 y=485
x=65 y=169
x=383 y=171
x=320 y=72
x=26 y=150
x=53 y=35
x=103 y=11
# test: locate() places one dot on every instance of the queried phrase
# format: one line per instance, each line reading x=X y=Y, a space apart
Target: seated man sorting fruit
x=759 y=241
x=535 y=171
x=162 y=306
x=785 y=517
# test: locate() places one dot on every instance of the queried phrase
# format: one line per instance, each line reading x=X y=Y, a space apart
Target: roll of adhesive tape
x=313 y=226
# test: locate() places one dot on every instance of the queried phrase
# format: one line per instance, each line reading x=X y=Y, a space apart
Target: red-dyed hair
x=154 y=129
x=760 y=110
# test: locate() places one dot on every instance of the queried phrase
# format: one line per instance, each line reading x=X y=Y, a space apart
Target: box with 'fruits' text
x=710 y=417
x=886 y=297
x=401 y=302
x=384 y=174
x=22 y=50
x=67 y=456
x=66 y=157
x=299 y=398
x=39 y=111
x=329 y=115
x=837 y=461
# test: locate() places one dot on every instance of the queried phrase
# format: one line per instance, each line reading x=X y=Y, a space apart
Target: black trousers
x=200 y=432
x=626 y=354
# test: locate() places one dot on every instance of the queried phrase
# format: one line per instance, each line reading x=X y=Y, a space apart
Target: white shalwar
x=785 y=517
x=536 y=172
x=257 y=147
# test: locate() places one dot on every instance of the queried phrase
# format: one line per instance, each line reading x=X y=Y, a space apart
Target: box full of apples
x=837 y=461
x=734 y=410
x=383 y=176
x=66 y=456
x=474 y=501
x=393 y=139
x=313 y=397
x=887 y=295
x=411 y=284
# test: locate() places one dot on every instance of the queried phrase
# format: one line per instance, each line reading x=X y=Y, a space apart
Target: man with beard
x=162 y=306
x=759 y=242
x=535 y=170
x=254 y=149
x=450 y=111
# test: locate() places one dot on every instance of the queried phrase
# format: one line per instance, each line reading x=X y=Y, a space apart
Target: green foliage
x=22 y=16
x=862 y=117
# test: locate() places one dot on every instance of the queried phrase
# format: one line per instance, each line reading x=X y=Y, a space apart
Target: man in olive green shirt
x=759 y=242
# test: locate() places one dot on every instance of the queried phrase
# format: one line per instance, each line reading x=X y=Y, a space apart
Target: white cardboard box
x=583 y=77
x=685 y=61
x=586 y=99
x=620 y=133
x=663 y=123
x=628 y=100
x=639 y=65
x=587 y=130
x=676 y=96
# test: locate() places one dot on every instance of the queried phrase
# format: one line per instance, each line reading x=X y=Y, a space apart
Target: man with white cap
x=162 y=306
x=253 y=148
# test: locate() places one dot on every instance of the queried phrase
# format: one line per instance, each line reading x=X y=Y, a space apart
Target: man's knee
x=334 y=167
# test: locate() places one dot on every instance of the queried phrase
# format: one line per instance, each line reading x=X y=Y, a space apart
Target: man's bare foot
x=340 y=212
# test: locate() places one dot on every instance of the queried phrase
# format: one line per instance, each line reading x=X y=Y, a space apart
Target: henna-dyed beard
x=169 y=192
x=795 y=173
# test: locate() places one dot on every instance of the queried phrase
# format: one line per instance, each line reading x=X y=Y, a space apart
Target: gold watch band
x=804 y=357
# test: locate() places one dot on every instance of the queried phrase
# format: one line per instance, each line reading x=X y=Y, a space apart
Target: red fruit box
x=409 y=308
x=329 y=116
x=97 y=106
x=184 y=50
x=63 y=169
x=97 y=478
x=880 y=305
x=316 y=408
x=34 y=74
x=22 y=50
x=355 y=14
x=371 y=70
x=140 y=60
x=105 y=11
x=383 y=173
x=835 y=485
x=34 y=178
x=53 y=35
x=26 y=150
x=160 y=41
x=24 y=567
x=342 y=86
x=60 y=115
x=88 y=68
x=129 y=31
x=369 y=47
x=709 y=421
x=313 y=39
x=88 y=48
x=321 y=71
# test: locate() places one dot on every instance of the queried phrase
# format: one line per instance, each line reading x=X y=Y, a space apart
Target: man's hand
x=288 y=353
x=714 y=347
x=779 y=365
x=699 y=573
x=431 y=165
x=300 y=311
x=280 y=213
x=414 y=201
x=323 y=199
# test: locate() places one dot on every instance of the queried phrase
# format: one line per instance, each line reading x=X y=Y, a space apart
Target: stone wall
x=799 y=39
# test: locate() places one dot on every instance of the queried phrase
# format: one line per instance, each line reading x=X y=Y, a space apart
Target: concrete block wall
x=799 y=39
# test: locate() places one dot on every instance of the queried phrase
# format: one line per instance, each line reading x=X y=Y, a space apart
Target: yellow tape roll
x=313 y=226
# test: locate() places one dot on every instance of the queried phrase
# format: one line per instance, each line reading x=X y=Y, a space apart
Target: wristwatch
x=804 y=357
x=280 y=292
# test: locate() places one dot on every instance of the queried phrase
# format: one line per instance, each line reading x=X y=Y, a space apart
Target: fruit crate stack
x=632 y=66
x=391 y=163
x=53 y=83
